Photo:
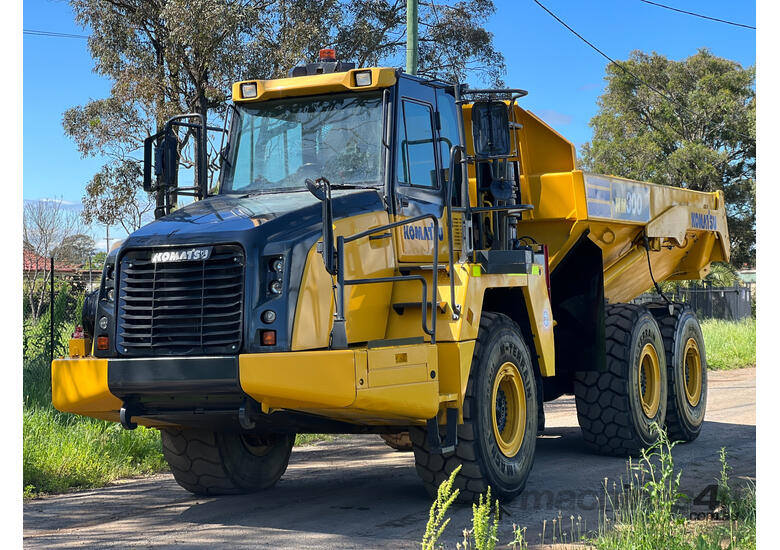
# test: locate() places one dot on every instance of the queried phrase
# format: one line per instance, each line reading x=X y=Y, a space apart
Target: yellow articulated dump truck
x=388 y=254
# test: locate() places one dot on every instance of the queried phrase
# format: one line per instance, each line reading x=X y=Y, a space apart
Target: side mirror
x=166 y=161
x=490 y=128
x=328 y=250
x=316 y=190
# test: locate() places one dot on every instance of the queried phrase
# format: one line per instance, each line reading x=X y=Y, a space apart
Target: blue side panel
x=617 y=199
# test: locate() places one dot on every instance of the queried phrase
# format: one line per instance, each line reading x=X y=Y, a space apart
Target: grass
x=730 y=344
x=66 y=451
x=308 y=439
x=646 y=511
x=63 y=451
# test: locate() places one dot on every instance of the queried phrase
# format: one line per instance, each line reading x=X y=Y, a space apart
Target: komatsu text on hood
x=188 y=255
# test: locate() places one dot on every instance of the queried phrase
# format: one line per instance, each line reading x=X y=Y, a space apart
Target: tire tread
x=603 y=406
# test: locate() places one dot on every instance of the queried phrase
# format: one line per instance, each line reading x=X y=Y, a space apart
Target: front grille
x=181 y=308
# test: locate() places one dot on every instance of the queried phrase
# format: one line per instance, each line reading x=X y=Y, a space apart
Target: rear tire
x=497 y=440
x=686 y=362
x=400 y=441
x=217 y=463
x=616 y=408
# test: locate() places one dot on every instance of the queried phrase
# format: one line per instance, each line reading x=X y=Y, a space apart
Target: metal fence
x=51 y=295
x=728 y=303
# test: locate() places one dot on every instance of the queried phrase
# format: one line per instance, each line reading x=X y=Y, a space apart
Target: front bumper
x=150 y=387
x=294 y=391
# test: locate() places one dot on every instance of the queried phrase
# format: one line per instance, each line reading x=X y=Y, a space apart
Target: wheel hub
x=692 y=369
x=508 y=409
x=649 y=381
x=501 y=410
x=256 y=444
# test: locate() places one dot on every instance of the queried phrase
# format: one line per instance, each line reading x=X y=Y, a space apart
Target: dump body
x=686 y=229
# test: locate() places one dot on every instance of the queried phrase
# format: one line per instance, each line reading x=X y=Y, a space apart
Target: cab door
x=418 y=181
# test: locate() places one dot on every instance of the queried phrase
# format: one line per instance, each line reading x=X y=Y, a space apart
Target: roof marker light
x=363 y=78
x=249 y=90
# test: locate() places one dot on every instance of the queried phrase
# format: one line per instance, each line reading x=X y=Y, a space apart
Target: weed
x=437 y=520
x=519 y=542
x=484 y=533
x=643 y=514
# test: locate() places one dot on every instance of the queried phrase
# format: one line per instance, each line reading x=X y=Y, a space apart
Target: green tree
x=75 y=249
x=700 y=134
x=166 y=57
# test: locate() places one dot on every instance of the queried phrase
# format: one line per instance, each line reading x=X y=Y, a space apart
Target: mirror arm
x=455 y=149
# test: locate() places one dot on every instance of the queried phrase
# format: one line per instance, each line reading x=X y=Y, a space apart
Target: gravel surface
x=358 y=493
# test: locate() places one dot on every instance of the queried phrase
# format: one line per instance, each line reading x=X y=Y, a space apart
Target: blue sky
x=564 y=76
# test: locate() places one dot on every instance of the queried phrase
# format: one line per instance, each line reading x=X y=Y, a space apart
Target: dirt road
x=358 y=493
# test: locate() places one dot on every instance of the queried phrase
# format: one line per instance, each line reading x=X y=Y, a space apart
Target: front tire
x=217 y=463
x=617 y=408
x=497 y=440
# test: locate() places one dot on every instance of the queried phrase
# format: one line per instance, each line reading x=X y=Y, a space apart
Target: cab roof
x=381 y=77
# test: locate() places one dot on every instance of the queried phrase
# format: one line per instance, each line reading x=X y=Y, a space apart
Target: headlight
x=107 y=290
x=275 y=274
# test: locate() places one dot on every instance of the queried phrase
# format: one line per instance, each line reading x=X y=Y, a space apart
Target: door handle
x=403 y=201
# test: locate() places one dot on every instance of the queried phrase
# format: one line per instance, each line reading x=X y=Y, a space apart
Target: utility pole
x=89 y=265
x=51 y=311
x=107 y=242
x=411 y=36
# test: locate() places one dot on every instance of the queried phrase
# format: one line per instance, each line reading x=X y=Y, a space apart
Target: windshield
x=278 y=144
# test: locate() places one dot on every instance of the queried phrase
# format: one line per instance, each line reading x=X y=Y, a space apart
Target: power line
x=629 y=72
x=34 y=32
x=697 y=14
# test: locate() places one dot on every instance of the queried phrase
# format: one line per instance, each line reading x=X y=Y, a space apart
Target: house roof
x=32 y=262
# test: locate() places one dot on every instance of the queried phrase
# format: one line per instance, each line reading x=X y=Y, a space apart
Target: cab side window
x=416 y=146
x=448 y=136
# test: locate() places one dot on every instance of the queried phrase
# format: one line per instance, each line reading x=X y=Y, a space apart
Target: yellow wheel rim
x=509 y=409
x=692 y=372
x=649 y=381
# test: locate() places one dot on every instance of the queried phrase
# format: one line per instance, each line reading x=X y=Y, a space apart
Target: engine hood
x=230 y=217
x=267 y=227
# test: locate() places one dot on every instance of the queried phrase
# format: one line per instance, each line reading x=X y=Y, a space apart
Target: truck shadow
x=381 y=496
x=358 y=493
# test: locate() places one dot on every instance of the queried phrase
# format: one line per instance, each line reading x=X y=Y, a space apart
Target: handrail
x=523 y=207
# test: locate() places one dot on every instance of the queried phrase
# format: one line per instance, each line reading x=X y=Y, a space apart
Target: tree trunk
x=202 y=108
